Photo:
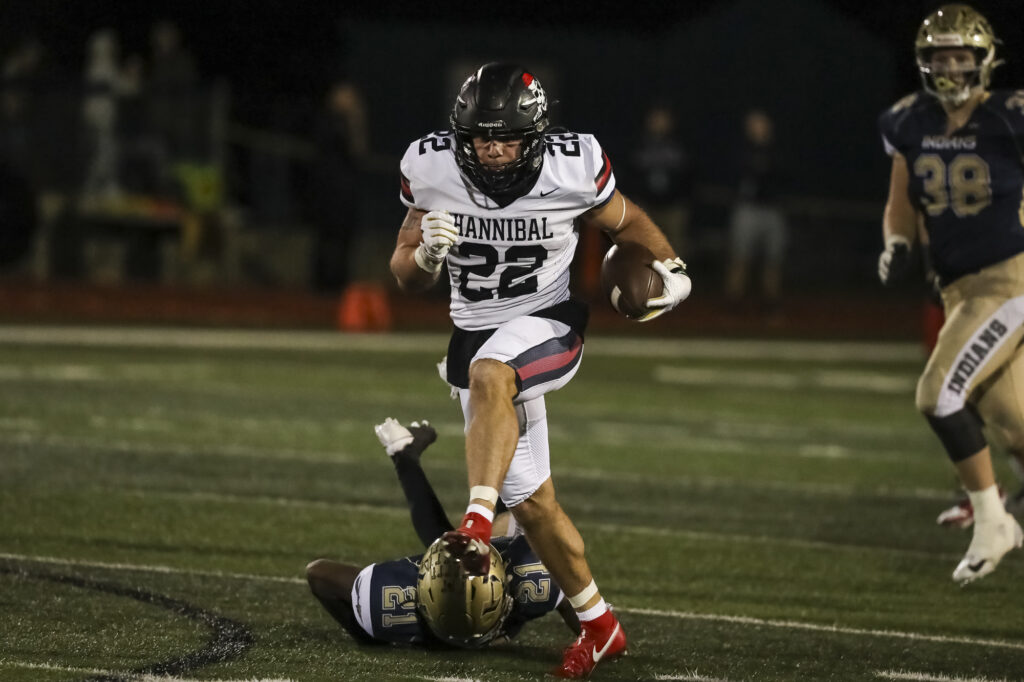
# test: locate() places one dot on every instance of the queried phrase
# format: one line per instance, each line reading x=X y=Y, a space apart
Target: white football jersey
x=514 y=260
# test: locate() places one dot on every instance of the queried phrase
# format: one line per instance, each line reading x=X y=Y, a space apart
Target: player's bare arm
x=899 y=225
x=624 y=221
x=900 y=218
x=410 y=276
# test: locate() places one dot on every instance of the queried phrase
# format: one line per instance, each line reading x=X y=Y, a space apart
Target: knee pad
x=959 y=432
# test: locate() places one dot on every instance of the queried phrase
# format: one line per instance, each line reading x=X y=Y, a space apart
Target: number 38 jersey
x=967 y=185
x=511 y=260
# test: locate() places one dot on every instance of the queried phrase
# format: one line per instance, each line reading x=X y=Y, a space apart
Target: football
x=628 y=279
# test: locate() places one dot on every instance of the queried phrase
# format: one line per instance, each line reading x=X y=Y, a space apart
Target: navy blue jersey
x=392 y=593
x=968 y=185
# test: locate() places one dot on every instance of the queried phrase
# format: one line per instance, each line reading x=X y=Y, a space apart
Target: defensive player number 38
x=515 y=280
x=965 y=185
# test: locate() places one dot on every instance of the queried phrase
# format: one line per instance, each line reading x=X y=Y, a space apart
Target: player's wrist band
x=425 y=262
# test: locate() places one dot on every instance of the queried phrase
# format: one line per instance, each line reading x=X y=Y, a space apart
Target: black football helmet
x=501 y=101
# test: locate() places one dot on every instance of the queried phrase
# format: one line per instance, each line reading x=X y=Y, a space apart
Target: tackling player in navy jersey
x=404 y=601
x=958 y=170
x=499 y=199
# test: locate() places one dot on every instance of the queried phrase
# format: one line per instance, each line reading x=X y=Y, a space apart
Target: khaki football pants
x=978 y=359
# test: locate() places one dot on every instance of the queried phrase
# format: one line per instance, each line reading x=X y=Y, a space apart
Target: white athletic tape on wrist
x=894 y=239
x=481 y=510
x=425 y=262
x=595 y=611
x=483 y=492
x=583 y=597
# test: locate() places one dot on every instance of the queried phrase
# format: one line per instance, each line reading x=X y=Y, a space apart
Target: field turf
x=753 y=510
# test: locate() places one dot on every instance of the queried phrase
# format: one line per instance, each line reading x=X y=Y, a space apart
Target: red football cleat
x=592 y=646
x=470 y=551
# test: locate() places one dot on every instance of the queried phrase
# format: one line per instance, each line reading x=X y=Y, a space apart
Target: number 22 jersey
x=511 y=260
x=968 y=185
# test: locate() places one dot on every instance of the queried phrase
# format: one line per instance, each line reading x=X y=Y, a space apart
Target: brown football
x=628 y=279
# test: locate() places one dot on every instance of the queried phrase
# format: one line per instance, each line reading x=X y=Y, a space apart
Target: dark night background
x=824 y=69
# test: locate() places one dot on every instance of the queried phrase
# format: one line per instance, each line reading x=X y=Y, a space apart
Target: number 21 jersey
x=511 y=260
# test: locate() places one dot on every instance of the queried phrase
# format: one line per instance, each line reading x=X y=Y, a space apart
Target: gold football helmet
x=467 y=611
x=953 y=27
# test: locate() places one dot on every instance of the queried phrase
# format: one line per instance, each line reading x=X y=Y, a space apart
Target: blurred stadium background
x=191 y=176
x=162 y=485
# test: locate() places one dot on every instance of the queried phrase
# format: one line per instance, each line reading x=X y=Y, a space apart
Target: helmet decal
x=505 y=102
x=463 y=610
x=955 y=26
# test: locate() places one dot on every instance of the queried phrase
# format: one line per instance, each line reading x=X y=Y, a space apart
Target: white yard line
x=872 y=382
x=8 y=663
x=611 y=528
x=832 y=629
x=928 y=677
x=35 y=437
x=656 y=613
x=236 y=339
x=149 y=568
x=398 y=511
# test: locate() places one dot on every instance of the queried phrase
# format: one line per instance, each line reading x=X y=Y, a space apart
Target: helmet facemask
x=501 y=102
x=460 y=609
x=955 y=27
x=951 y=83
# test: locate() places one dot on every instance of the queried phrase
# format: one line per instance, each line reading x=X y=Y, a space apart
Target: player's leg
x=979 y=337
x=530 y=494
x=331 y=583
x=1001 y=406
x=405 y=446
x=523 y=359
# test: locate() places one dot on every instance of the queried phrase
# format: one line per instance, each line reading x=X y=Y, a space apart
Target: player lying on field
x=428 y=598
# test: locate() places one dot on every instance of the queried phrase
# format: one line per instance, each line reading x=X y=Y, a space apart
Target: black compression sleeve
x=428 y=516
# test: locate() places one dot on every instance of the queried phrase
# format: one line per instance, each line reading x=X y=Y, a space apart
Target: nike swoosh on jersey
x=544 y=194
x=598 y=655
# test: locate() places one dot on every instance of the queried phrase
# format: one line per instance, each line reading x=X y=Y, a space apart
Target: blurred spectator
x=100 y=116
x=662 y=176
x=25 y=77
x=758 y=225
x=173 y=84
x=342 y=150
x=143 y=167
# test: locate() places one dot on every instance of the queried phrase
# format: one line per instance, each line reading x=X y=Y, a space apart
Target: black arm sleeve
x=428 y=516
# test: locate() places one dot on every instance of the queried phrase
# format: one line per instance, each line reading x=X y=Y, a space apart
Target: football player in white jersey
x=499 y=199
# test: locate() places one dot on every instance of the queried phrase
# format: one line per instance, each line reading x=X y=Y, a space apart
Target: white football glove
x=677 y=287
x=439 y=236
x=894 y=262
x=392 y=435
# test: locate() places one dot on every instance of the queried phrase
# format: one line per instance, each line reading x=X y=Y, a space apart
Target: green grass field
x=754 y=511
